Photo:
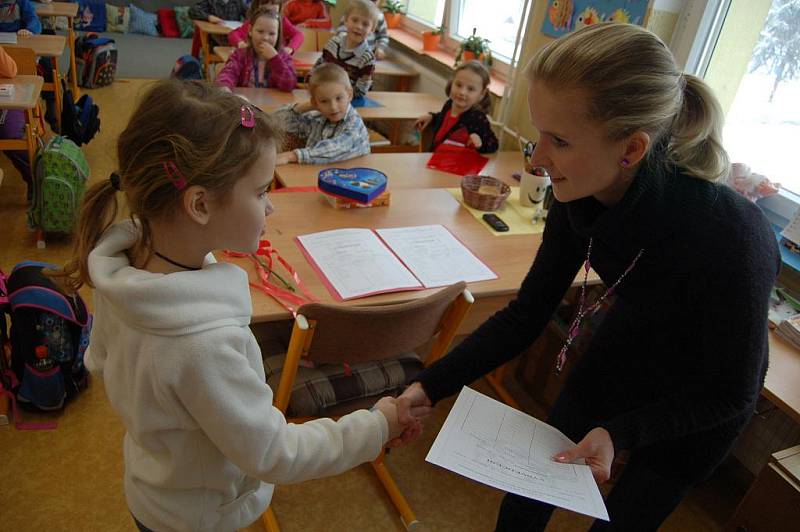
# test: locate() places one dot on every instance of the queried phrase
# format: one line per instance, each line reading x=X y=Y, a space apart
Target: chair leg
x=406 y=513
x=269 y=521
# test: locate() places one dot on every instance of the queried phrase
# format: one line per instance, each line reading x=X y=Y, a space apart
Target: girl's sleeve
x=30 y=20
x=483 y=129
x=292 y=36
x=230 y=74
x=8 y=68
x=281 y=72
x=239 y=34
x=294 y=123
x=201 y=10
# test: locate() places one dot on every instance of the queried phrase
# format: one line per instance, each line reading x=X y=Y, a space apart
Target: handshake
x=405 y=414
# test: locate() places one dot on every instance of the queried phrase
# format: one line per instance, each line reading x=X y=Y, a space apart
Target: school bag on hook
x=49 y=336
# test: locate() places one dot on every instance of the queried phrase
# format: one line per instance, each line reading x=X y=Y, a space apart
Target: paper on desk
x=232 y=24
x=490 y=442
x=8 y=37
x=435 y=256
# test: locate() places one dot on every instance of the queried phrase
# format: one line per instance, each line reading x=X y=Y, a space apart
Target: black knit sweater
x=681 y=355
x=474 y=120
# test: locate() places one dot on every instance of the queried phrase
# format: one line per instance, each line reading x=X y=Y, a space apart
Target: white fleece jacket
x=204 y=445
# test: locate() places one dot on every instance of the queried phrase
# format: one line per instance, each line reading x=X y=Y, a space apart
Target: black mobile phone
x=495 y=222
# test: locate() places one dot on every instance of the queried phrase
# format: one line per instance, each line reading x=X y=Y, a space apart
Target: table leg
x=206 y=53
x=29 y=119
x=403 y=83
x=73 y=70
x=57 y=91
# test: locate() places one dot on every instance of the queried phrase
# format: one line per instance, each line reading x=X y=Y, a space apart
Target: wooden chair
x=323 y=37
x=25 y=60
x=309 y=40
x=365 y=337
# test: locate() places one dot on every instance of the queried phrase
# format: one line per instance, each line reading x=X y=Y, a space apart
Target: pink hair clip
x=248 y=117
x=175 y=175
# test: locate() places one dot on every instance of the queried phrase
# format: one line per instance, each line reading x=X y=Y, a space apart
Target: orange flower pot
x=430 y=42
x=392 y=19
x=468 y=56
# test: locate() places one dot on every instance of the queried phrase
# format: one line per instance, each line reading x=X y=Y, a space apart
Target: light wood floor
x=70 y=479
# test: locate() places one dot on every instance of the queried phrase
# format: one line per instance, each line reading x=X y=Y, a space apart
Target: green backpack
x=59 y=179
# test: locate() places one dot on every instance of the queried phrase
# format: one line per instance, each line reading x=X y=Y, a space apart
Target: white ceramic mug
x=532 y=189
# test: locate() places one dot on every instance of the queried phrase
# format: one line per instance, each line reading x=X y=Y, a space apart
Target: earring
x=624 y=162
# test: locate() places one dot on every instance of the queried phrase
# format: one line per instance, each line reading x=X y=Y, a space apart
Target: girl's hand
x=288 y=50
x=598 y=451
x=388 y=407
x=286 y=157
x=423 y=121
x=380 y=53
x=266 y=50
x=242 y=44
x=24 y=33
x=215 y=19
x=475 y=141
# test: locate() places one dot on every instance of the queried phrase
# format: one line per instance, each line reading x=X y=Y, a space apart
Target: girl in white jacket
x=171 y=341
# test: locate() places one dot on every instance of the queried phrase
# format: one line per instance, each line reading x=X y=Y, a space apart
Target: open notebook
x=356 y=263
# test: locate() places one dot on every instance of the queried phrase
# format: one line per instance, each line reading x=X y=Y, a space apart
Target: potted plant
x=392 y=12
x=474 y=47
x=431 y=38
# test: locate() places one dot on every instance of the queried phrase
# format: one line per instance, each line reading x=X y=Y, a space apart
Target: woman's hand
x=598 y=451
x=413 y=405
x=423 y=121
x=286 y=157
x=475 y=141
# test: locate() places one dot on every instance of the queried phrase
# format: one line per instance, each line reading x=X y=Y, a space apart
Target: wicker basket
x=470 y=191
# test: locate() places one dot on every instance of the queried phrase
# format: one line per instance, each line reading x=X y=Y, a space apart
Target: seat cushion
x=142 y=22
x=318 y=390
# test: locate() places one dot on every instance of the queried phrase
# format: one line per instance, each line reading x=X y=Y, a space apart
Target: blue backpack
x=187 y=67
x=48 y=338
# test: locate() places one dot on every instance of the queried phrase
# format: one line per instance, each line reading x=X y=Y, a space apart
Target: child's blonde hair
x=480 y=69
x=327 y=73
x=193 y=125
x=632 y=84
x=365 y=8
x=269 y=11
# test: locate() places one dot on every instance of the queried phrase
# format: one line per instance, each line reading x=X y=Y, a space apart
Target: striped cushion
x=143 y=22
x=317 y=390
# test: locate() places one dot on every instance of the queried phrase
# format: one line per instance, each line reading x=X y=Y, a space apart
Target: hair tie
x=175 y=175
x=114 y=179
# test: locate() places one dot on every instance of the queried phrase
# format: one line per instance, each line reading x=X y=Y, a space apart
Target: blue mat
x=363 y=101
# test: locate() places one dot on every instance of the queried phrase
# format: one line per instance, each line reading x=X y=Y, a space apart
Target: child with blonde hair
x=463 y=118
x=171 y=341
x=329 y=126
x=262 y=64
x=379 y=38
x=351 y=50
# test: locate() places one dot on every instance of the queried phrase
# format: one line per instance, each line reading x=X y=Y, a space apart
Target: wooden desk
x=224 y=52
x=46 y=46
x=69 y=11
x=26 y=98
x=304 y=61
x=395 y=106
x=205 y=29
x=298 y=213
x=405 y=170
x=782 y=385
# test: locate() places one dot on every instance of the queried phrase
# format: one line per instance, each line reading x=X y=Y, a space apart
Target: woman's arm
x=509 y=331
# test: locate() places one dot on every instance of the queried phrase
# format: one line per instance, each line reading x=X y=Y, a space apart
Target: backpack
x=79 y=122
x=91 y=16
x=95 y=60
x=49 y=336
x=59 y=178
x=187 y=67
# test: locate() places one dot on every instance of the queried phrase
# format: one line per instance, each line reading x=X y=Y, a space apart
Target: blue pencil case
x=359 y=184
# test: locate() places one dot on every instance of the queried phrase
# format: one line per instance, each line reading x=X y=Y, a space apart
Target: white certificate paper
x=435 y=256
x=490 y=442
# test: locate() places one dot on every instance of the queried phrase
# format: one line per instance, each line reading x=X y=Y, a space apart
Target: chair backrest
x=24 y=58
x=358 y=334
x=309 y=40
x=323 y=37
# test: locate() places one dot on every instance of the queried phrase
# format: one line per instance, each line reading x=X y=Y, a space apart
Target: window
x=755 y=72
x=496 y=20
x=429 y=12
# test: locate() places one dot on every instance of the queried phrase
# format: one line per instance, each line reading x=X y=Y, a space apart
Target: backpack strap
x=18 y=423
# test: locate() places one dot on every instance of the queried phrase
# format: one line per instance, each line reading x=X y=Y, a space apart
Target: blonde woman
x=672 y=373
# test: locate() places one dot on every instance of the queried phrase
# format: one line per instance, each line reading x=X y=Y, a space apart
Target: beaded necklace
x=573 y=329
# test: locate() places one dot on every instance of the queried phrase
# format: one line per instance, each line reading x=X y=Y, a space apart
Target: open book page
x=490 y=442
x=435 y=256
x=356 y=263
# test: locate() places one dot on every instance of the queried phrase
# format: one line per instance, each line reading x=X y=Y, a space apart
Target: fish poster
x=566 y=16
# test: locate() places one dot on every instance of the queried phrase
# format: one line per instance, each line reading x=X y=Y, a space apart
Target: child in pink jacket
x=291 y=40
x=261 y=64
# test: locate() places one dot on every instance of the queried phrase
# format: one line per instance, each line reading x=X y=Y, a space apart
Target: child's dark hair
x=257 y=4
x=480 y=69
x=192 y=125
x=269 y=11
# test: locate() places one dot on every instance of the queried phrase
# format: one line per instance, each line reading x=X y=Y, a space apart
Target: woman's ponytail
x=696 y=136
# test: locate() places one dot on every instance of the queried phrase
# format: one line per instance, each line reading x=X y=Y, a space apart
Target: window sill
x=413 y=43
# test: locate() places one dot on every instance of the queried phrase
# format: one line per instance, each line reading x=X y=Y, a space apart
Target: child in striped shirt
x=379 y=38
x=351 y=50
x=331 y=128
